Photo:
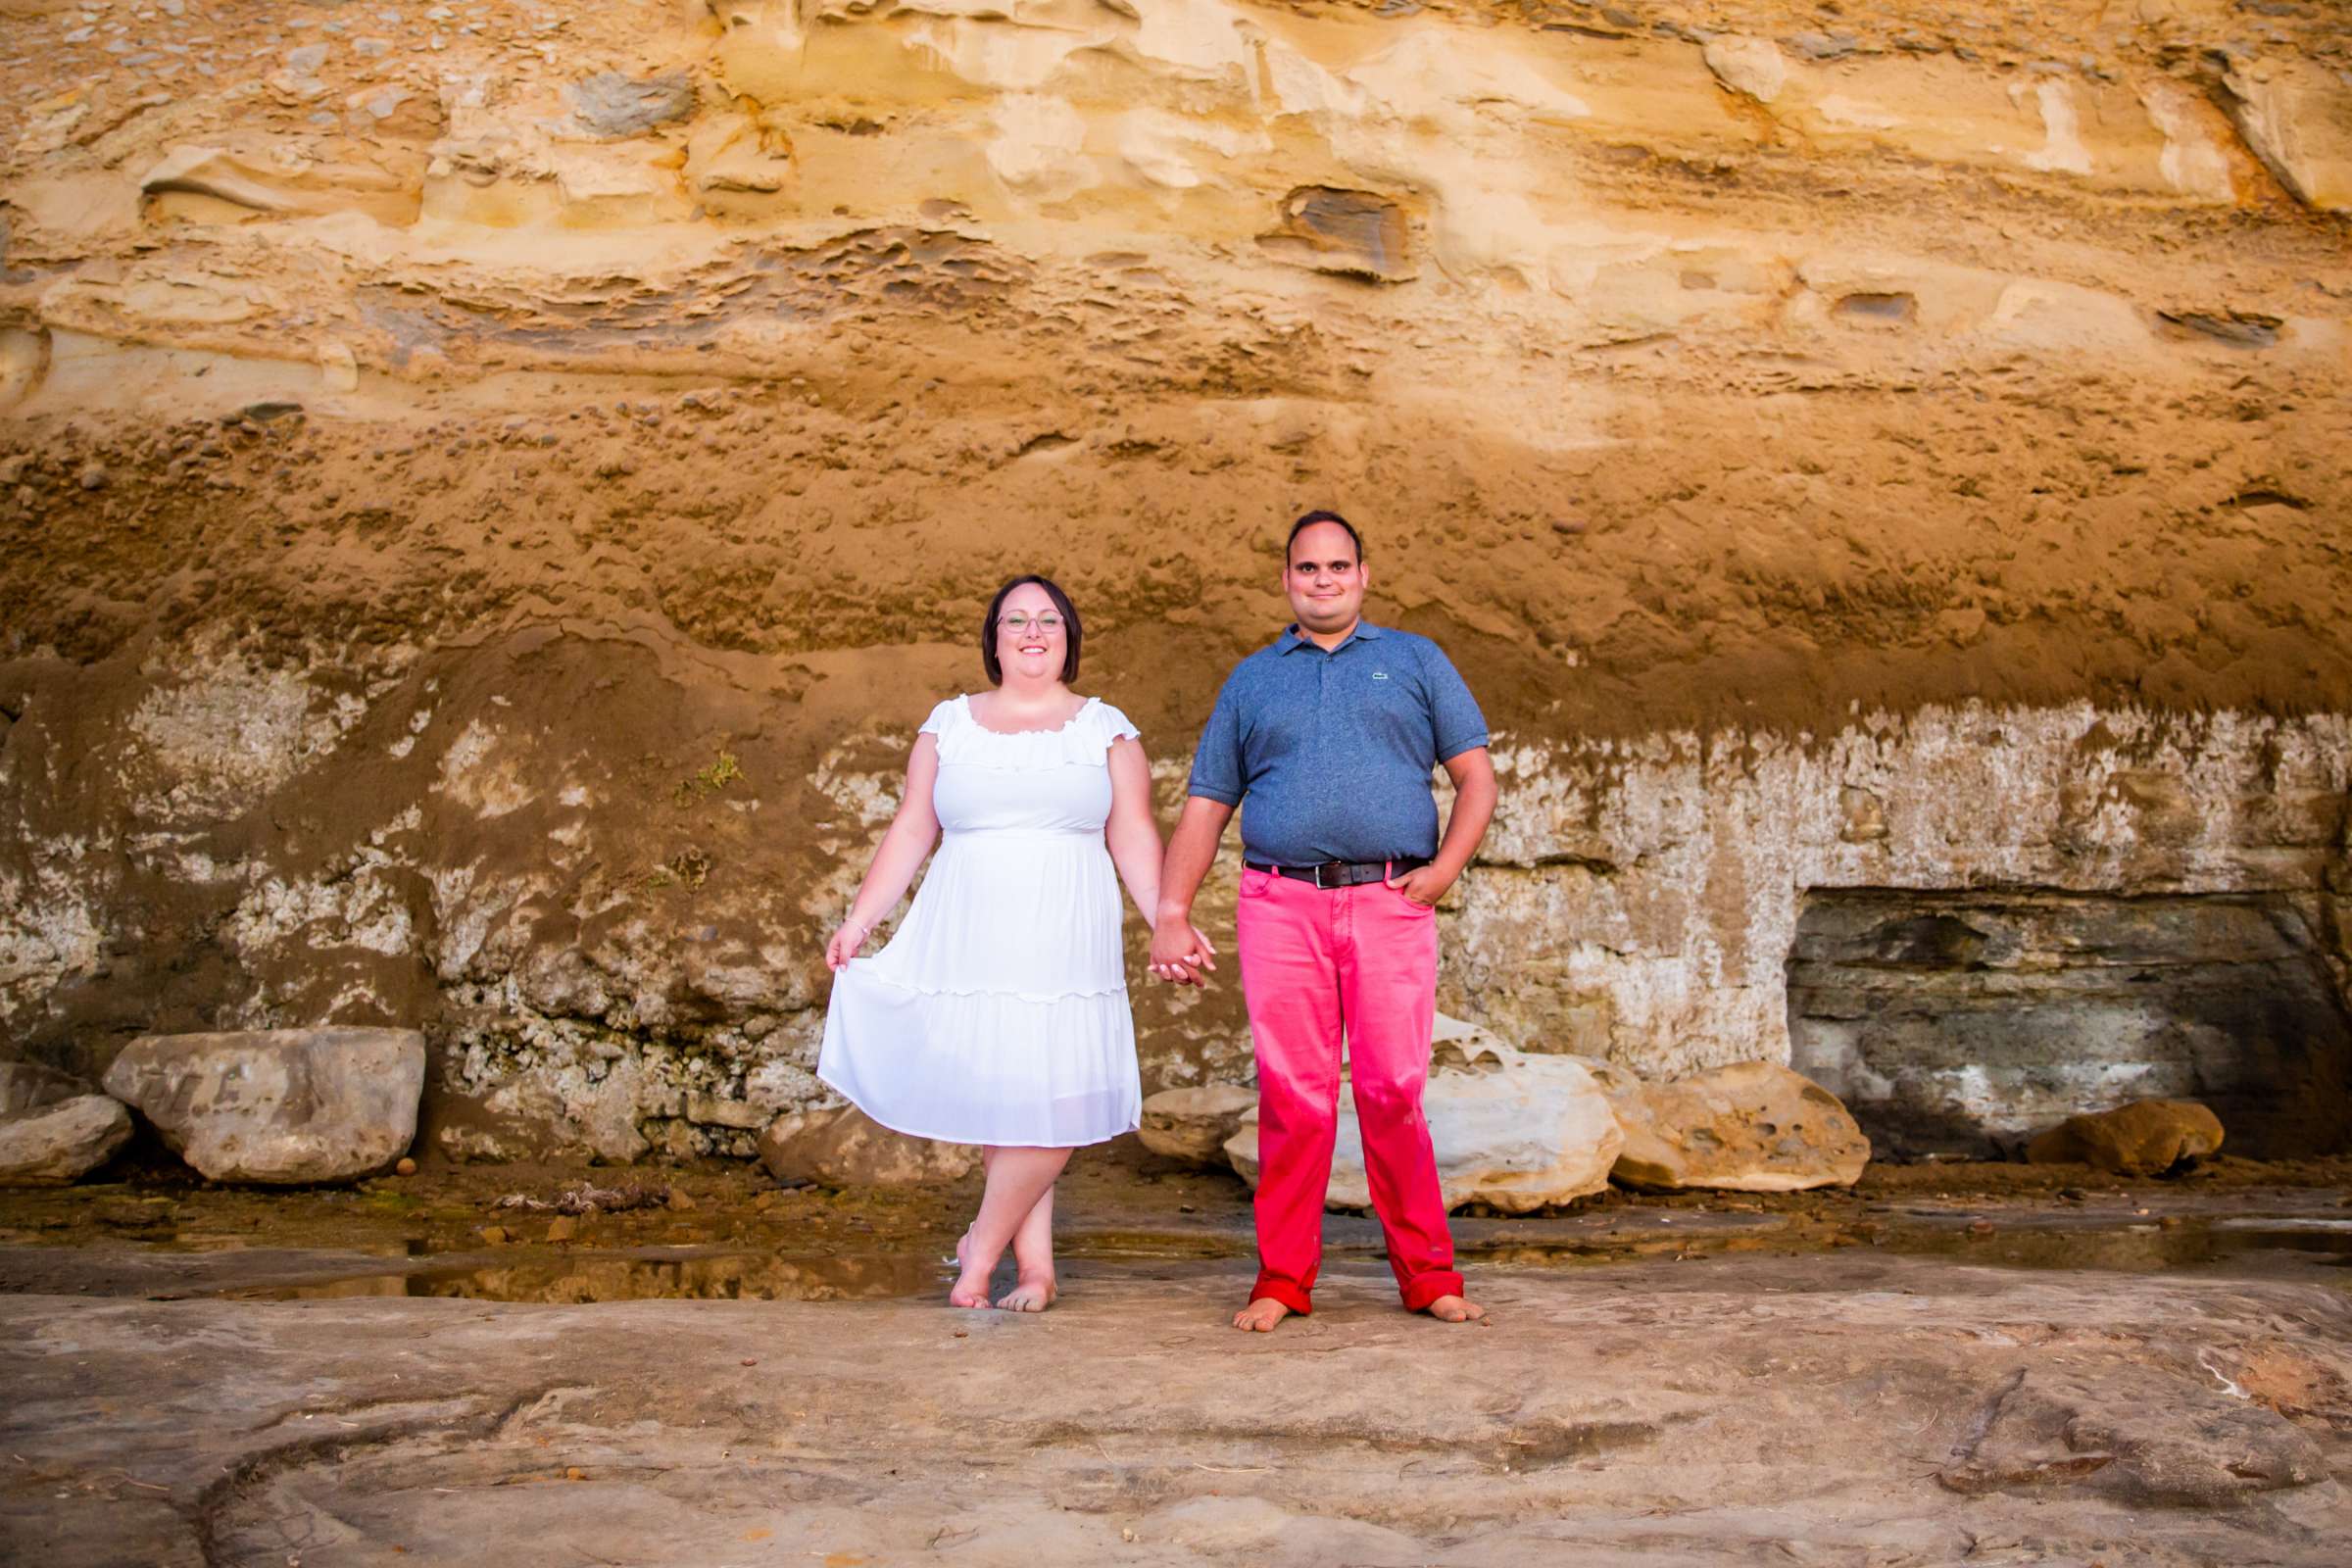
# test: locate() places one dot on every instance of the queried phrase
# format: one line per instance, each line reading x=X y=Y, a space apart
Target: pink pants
x=1318 y=965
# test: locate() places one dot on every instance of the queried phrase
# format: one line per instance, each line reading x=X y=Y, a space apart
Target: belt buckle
x=1319 y=874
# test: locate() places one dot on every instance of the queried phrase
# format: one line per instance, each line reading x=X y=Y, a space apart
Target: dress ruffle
x=1082 y=742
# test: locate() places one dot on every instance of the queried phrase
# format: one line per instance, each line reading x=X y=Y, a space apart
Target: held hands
x=1180 y=953
x=844 y=945
x=1423 y=885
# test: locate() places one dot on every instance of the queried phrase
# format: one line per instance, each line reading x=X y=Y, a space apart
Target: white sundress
x=998 y=1012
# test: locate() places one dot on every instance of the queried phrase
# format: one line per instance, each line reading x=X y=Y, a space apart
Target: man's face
x=1324 y=579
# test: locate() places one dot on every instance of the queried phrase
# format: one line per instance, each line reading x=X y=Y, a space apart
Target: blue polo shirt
x=1332 y=752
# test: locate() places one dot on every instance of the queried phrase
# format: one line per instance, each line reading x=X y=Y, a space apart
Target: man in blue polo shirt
x=1326 y=741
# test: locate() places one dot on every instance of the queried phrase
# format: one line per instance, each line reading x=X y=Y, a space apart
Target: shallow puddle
x=577 y=1278
x=2138 y=1246
x=2147 y=1245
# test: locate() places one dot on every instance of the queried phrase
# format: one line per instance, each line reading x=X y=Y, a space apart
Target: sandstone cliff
x=488 y=490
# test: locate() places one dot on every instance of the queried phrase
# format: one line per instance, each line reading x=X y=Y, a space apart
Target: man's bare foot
x=1032 y=1292
x=1455 y=1310
x=1261 y=1315
x=969 y=1289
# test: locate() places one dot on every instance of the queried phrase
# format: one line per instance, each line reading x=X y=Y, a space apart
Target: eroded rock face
x=1512 y=1131
x=561 y=422
x=843 y=1146
x=1965 y=1023
x=1751 y=1127
x=61 y=1141
x=2145 y=1137
x=279 y=1106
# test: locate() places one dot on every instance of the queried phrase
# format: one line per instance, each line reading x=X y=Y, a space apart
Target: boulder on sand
x=844 y=1146
x=1192 y=1124
x=1749 y=1127
x=1514 y=1131
x=2144 y=1137
x=279 y=1106
x=61 y=1141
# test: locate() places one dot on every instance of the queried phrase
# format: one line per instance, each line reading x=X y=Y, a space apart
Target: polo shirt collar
x=1292 y=642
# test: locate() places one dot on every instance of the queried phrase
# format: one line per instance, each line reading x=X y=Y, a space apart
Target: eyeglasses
x=1018 y=623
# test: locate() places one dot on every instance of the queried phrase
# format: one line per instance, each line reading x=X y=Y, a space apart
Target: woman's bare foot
x=1455 y=1310
x=969 y=1289
x=1261 y=1315
x=1032 y=1291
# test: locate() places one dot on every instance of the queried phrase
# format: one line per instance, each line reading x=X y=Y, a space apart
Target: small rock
x=714 y=1111
x=94 y=477
x=612 y=105
x=279 y=1106
x=493 y=1234
x=1192 y=1124
x=306 y=61
x=1980 y=1227
x=60 y=1142
x=562 y=1229
x=680 y=1200
x=1752 y=1126
x=1355 y=233
x=845 y=1148
x=1824 y=45
x=405 y=1167
x=1751 y=66
x=1861 y=817
x=2145 y=1137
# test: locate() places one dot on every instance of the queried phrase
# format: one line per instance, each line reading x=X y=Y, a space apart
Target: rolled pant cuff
x=1283 y=1290
x=1426 y=1288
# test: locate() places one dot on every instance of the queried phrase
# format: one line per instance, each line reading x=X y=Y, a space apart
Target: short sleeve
x=1114 y=725
x=1455 y=721
x=941 y=717
x=1217 y=760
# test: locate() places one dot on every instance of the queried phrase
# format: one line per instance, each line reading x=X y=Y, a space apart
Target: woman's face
x=1031 y=640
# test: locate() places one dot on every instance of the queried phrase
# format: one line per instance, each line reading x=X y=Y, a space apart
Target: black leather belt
x=1342 y=874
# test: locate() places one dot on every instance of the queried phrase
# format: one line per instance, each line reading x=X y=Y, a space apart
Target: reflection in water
x=573 y=1278
x=2139 y=1245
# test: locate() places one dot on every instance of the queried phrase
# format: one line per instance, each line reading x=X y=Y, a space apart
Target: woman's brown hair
x=1061 y=605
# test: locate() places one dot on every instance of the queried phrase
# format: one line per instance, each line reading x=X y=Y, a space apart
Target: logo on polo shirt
x=1380 y=675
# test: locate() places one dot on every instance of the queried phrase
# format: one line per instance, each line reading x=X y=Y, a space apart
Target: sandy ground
x=1955 y=1364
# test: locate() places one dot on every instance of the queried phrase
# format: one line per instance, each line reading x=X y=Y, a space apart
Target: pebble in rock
x=94 y=477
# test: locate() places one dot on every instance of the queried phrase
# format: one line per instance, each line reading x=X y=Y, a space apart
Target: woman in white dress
x=998 y=1013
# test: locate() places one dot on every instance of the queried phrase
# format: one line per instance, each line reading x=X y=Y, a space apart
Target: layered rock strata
x=487 y=492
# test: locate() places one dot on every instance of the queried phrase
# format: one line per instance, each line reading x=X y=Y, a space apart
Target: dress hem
x=950 y=1138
